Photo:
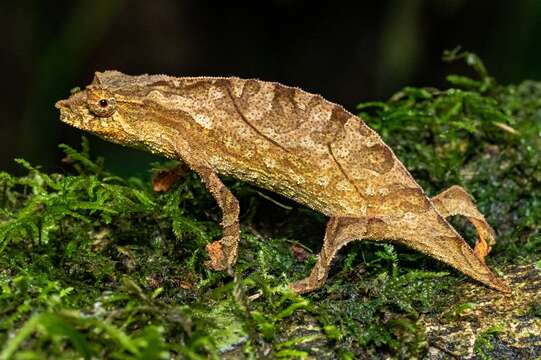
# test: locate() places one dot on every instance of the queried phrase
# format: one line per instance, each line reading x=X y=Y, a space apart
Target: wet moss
x=98 y=266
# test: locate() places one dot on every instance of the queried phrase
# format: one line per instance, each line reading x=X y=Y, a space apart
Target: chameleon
x=290 y=142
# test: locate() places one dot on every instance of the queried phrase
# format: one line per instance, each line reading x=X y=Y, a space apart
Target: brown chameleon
x=288 y=141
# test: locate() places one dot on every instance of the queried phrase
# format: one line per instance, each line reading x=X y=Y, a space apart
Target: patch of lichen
x=94 y=265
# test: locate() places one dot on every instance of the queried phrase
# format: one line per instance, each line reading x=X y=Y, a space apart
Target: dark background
x=346 y=52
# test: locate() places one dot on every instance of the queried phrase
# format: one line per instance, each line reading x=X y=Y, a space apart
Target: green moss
x=94 y=265
x=483 y=344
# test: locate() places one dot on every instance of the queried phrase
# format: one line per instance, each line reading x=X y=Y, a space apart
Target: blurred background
x=349 y=53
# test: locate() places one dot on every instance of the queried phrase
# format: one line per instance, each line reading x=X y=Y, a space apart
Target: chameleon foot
x=223 y=253
x=216 y=254
x=456 y=201
x=338 y=233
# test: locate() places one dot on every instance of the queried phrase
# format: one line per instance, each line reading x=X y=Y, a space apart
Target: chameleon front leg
x=339 y=232
x=223 y=252
x=456 y=201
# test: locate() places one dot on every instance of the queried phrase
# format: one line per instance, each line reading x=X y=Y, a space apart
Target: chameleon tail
x=437 y=238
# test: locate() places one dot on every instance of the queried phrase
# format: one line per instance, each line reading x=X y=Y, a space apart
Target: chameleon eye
x=101 y=102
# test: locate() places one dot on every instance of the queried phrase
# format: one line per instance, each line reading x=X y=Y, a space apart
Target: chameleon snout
x=61 y=104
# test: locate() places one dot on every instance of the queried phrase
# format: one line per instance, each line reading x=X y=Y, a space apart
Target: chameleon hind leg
x=339 y=232
x=456 y=201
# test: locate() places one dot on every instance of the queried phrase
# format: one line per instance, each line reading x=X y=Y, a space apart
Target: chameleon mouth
x=69 y=115
x=61 y=104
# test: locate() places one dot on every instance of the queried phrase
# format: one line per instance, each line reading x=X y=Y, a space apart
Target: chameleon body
x=288 y=141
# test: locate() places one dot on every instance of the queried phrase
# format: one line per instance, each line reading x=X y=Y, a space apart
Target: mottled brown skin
x=289 y=141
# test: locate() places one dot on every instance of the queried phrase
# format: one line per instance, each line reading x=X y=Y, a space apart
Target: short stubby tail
x=465 y=260
x=434 y=236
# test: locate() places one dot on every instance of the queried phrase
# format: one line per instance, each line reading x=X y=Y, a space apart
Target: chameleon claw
x=222 y=253
x=485 y=240
x=216 y=260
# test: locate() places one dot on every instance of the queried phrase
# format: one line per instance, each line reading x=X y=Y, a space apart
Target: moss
x=98 y=266
x=483 y=344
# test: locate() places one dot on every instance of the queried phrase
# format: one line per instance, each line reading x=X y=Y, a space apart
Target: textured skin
x=290 y=142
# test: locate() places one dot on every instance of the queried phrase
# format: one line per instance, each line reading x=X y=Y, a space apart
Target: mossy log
x=487 y=324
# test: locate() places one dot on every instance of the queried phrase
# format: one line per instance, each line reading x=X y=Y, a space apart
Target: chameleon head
x=113 y=115
x=96 y=110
